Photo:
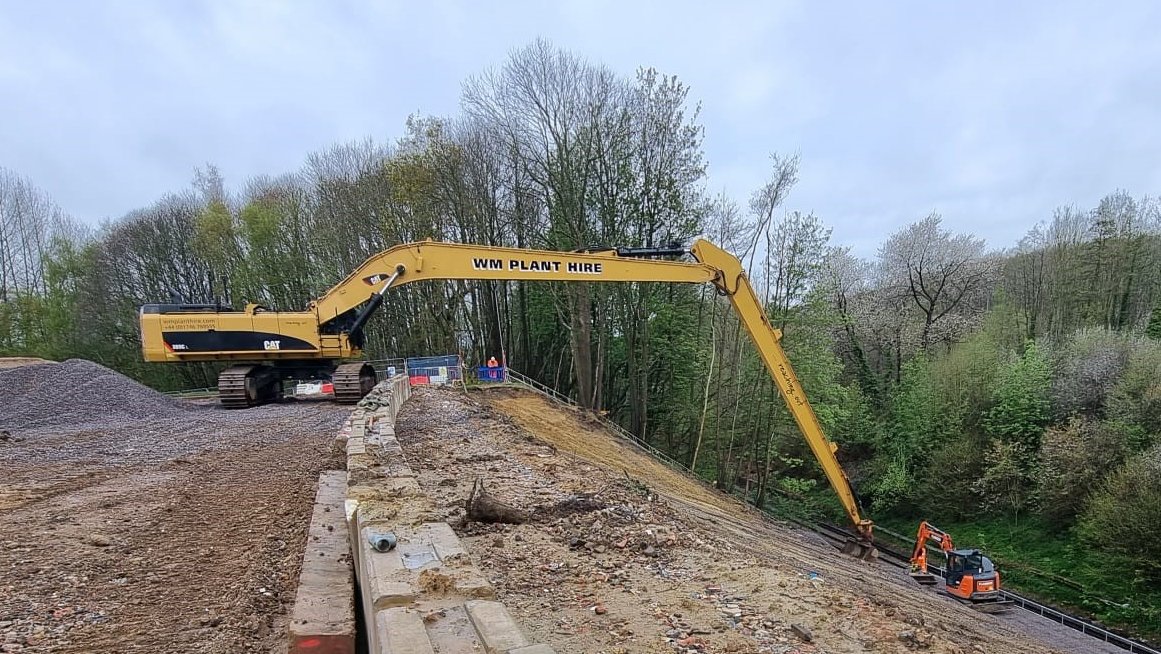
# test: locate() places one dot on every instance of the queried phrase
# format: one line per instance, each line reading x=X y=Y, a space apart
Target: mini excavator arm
x=927 y=532
x=413 y=262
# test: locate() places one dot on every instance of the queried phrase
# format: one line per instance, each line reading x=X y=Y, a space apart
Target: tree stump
x=482 y=507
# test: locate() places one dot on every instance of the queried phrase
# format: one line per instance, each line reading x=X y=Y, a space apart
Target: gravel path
x=175 y=531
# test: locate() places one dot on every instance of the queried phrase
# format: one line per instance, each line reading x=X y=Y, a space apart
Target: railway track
x=840 y=536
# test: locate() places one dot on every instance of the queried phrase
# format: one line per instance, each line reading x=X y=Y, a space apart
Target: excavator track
x=998 y=604
x=352 y=381
x=240 y=387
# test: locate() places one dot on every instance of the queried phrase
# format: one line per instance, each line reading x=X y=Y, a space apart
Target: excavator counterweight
x=269 y=346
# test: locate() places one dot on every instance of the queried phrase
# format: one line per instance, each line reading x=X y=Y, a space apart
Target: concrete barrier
x=425 y=594
x=323 y=618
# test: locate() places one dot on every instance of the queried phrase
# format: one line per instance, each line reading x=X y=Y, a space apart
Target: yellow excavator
x=270 y=346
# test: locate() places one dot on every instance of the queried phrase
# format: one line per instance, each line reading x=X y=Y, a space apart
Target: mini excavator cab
x=972 y=576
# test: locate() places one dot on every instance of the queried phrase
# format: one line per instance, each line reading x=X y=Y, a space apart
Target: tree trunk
x=704 y=403
x=581 y=340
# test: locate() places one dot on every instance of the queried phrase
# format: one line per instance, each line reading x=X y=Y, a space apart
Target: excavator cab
x=972 y=576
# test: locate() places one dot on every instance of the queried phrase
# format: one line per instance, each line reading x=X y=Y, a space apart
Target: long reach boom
x=273 y=345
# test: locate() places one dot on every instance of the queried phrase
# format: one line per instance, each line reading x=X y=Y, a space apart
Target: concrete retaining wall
x=425 y=594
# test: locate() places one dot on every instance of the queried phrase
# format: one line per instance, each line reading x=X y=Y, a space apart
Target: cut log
x=482 y=507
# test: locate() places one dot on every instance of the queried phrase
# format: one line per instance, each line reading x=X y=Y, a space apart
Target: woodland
x=1010 y=393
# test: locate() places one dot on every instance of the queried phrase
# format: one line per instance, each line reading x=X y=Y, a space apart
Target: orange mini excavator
x=970 y=576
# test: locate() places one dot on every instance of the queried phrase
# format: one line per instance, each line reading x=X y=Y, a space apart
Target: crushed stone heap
x=76 y=392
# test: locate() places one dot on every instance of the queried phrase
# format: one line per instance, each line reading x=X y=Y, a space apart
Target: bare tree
x=765 y=202
x=944 y=275
x=30 y=222
x=1028 y=276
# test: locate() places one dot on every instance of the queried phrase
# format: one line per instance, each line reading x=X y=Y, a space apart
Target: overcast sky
x=991 y=114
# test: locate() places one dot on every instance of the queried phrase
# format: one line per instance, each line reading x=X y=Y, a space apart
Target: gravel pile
x=76 y=392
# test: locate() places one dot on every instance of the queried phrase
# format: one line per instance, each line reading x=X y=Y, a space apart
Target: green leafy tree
x=1153 y=329
x=953 y=496
x=1022 y=401
x=215 y=240
x=917 y=425
x=966 y=376
x=1006 y=484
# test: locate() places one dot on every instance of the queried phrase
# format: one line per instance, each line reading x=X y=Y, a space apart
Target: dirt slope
x=622 y=554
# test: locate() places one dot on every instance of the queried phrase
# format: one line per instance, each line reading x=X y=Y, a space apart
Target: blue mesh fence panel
x=434 y=370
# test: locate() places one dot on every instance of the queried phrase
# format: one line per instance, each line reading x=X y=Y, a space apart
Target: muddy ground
x=621 y=554
x=181 y=534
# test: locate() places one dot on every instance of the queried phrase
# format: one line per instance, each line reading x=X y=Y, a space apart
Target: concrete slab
x=447 y=545
x=475 y=585
x=400 y=631
x=498 y=632
x=389 y=448
x=384 y=577
x=533 y=649
x=365 y=469
x=323 y=618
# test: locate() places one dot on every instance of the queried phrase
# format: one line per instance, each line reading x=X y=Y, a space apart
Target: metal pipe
x=381 y=541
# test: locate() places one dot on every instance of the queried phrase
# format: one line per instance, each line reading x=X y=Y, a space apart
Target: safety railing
x=486 y=374
x=1079 y=624
x=381 y=365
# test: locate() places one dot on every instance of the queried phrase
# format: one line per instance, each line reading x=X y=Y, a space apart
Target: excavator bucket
x=860 y=549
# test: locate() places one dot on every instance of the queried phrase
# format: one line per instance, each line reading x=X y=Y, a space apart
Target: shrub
x=1005 y=484
x=1071 y=457
x=1136 y=399
x=1124 y=515
x=1085 y=370
x=1021 y=400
